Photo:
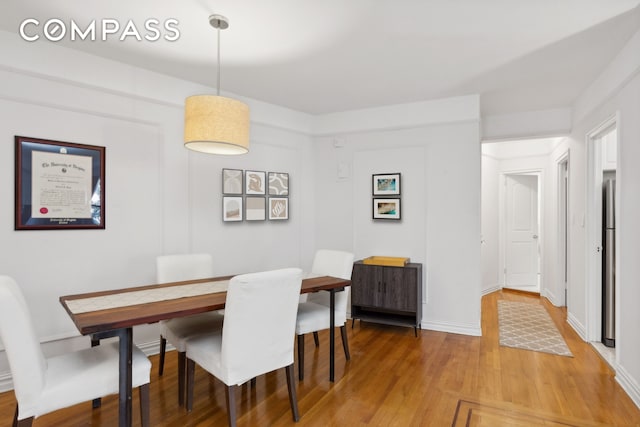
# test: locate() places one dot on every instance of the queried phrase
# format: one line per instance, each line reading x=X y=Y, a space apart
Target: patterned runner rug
x=529 y=327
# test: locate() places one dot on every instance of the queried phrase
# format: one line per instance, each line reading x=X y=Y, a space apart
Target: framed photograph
x=278 y=208
x=278 y=184
x=255 y=208
x=231 y=208
x=255 y=182
x=386 y=208
x=232 y=182
x=386 y=184
x=58 y=185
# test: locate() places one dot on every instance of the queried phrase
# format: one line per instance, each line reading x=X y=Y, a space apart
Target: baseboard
x=153 y=347
x=6 y=382
x=628 y=384
x=453 y=328
x=491 y=289
x=577 y=326
x=551 y=297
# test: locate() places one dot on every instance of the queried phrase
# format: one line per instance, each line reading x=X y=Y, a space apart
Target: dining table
x=114 y=313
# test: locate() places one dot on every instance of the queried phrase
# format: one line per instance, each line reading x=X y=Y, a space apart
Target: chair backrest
x=337 y=264
x=176 y=268
x=22 y=347
x=259 y=323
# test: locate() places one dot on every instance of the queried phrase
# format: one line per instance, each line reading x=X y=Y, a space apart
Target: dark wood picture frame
x=68 y=180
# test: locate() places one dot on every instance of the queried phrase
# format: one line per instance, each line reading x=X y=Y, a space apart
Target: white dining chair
x=177 y=268
x=313 y=314
x=43 y=385
x=257 y=336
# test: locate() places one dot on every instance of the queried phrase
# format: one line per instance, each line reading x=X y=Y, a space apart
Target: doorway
x=563 y=227
x=522 y=231
x=602 y=166
x=530 y=159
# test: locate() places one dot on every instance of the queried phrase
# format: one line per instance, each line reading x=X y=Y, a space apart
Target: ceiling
x=323 y=56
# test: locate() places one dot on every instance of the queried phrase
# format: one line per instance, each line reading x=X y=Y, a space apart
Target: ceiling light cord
x=218 y=77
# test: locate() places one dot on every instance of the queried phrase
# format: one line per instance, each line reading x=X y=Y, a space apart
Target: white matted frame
x=386 y=184
x=232 y=181
x=232 y=208
x=278 y=208
x=255 y=182
x=255 y=208
x=386 y=208
x=278 y=184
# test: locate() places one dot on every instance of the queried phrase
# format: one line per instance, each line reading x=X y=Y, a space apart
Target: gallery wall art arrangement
x=386 y=196
x=250 y=195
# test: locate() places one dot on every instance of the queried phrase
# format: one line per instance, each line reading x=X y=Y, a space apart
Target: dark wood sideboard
x=387 y=294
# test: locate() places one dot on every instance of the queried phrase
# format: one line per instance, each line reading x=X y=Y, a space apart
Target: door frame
x=502 y=229
x=563 y=228
x=593 y=254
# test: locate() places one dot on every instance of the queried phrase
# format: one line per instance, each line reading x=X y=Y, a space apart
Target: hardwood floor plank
x=396 y=379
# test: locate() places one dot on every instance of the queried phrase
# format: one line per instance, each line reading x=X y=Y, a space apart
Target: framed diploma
x=59 y=185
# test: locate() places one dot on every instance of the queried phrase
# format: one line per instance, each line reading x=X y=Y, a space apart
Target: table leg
x=332 y=332
x=126 y=377
x=96 y=403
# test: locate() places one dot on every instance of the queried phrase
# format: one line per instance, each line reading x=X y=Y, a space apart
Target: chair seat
x=315 y=317
x=178 y=330
x=206 y=350
x=87 y=374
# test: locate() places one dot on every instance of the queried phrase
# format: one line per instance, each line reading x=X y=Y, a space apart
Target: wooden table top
x=92 y=322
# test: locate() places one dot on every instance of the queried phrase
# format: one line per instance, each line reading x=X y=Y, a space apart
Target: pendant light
x=216 y=124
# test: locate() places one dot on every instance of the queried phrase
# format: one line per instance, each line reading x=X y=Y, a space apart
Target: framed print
x=255 y=182
x=255 y=208
x=232 y=182
x=386 y=185
x=386 y=208
x=278 y=208
x=231 y=208
x=58 y=185
x=278 y=184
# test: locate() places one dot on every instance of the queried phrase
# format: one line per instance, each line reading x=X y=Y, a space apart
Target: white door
x=521 y=255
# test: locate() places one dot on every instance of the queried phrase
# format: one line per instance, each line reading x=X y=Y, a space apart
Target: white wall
x=491 y=278
x=615 y=92
x=553 y=277
x=527 y=124
x=440 y=227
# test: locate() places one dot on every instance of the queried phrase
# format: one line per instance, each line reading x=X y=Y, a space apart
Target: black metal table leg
x=332 y=332
x=97 y=402
x=126 y=377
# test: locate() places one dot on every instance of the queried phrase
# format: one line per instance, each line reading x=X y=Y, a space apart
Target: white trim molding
x=453 y=328
x=628 y=384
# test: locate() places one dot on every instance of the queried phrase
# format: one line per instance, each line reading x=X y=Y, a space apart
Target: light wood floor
x=395 y=379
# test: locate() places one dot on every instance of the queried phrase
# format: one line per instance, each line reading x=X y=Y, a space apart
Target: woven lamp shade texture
x=216 y=124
